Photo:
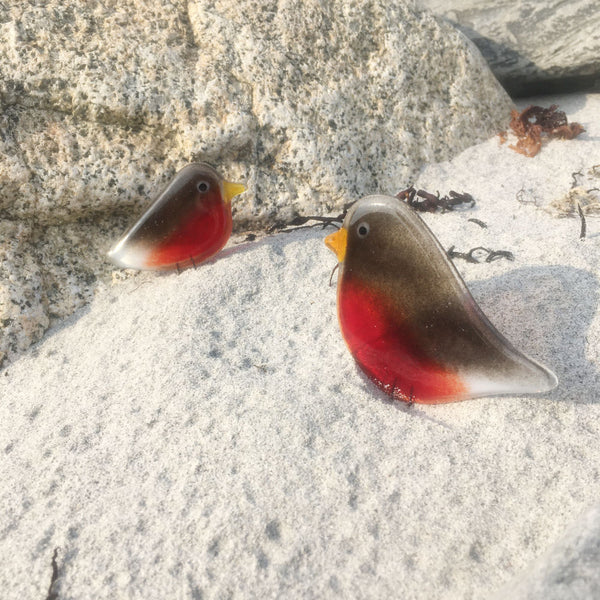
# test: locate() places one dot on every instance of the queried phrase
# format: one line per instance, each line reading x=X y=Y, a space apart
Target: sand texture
x=208 y=435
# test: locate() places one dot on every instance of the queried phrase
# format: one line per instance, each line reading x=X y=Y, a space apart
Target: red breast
x=187 y=224
x=408 y=318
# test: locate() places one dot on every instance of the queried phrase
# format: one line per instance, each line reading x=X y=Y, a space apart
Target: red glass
x=186 y=225
x=409 y=319
x=387 y=351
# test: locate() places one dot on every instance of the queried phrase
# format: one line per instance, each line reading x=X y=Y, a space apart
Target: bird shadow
x=547 y=312
x=279 y=238
x=131 y=284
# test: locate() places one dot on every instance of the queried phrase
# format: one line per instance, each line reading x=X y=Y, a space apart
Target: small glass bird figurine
x=186 y=225
x=408 y=318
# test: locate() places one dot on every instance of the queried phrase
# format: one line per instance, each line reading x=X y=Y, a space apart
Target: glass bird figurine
x=408 y=318
x=186 y=225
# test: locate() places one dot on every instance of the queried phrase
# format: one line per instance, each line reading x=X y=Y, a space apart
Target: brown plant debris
x=583 y=197
x=536 y=124
x=577 y=198
x=423 y=201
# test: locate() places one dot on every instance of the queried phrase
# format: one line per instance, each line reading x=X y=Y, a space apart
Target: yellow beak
x=337 y=242
x=232 y=189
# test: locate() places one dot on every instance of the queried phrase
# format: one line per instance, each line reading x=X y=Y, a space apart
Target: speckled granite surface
x=101 y=102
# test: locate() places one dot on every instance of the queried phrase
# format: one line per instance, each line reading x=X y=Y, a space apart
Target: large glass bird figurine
x=186 y=225
x=408 y=318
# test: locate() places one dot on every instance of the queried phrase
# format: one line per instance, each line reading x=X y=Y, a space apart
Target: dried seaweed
x=301 y=222
x=423 y=201
x=574 y=178
x=470 y=256
x=535 y=124
x=419 y=200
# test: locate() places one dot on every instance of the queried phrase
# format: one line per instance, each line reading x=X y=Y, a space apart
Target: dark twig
x=574 y=178
x=478 y=222
x=332 y=272
x=52 y=591
x=420 y=200
x=583 y=229
x=137 y=287
x=301 y=222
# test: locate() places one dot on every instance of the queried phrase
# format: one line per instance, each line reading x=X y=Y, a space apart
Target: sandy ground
x=208 y=435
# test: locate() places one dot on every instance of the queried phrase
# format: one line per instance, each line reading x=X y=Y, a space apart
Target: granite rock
x=23 y=306
x=532 y=47
x=311 y=106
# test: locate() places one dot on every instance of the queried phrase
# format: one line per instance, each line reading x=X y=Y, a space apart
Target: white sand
x=208 y=435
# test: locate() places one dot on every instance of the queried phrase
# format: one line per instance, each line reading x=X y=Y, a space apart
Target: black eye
x=203 y=186
x=363 y=230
